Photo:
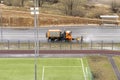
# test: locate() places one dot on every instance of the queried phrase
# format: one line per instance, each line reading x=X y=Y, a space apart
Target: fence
x=29 y=45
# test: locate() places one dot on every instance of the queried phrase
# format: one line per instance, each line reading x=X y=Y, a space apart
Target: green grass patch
x=47 y=69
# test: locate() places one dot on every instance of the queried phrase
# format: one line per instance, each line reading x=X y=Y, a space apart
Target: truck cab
x=68 y=35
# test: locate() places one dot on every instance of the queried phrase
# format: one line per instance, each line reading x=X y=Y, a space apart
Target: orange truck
x=58 y=35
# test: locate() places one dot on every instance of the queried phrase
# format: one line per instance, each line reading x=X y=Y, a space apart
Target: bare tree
x=8 y=2
x=40 y=2
x=0 y=1
x=115 y=6
x=14 y=2
x=68 y=6
x=22 y=2
x=71 y=6
x=53 y=1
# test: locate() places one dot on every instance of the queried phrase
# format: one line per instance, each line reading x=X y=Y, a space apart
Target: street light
x=35 y=12
x=1 y=32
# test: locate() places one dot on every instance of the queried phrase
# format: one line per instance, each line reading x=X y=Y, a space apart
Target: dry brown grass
x=18 y=18
x=117 y=61
x=21 y=18
x=101 y=68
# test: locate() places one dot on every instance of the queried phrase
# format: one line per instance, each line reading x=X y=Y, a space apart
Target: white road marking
x=43 y=73
x=61 y=66
x=87 y=72
x=83 y=69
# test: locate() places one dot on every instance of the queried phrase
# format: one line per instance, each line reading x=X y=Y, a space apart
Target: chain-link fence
x=29 y=45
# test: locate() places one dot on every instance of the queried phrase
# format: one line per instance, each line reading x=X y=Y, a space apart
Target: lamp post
x=35 y=12
x=1 y=32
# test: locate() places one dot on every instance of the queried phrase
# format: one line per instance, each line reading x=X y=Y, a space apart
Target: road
x=96 y=33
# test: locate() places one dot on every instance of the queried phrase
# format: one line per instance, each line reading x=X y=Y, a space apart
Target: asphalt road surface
x=94 y=33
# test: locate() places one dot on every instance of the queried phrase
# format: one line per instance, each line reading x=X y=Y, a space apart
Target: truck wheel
x=52 y=40
x=81 y=38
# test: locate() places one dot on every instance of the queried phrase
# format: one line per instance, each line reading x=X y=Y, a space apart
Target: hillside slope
x=14 y=17
x=21 y=18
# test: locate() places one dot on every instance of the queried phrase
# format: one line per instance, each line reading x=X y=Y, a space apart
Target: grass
x=51 y=14
x=48 y=69
x=101 y=68
x=23 y=18
x=117 y=61
x=16 y=69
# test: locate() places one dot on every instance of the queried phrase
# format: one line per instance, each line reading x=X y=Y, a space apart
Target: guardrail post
x=28 y=44
x=71 y=46
x=18 y=44
x=8 y=44
x=101 y=45
x=0 y=45
x=39 y=44
x=112 y=45
x=50 y=45
x=91 y=45
x=81 y=45
x=60 y=46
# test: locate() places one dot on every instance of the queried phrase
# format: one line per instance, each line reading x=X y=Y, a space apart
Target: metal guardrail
x=29 y=45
